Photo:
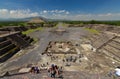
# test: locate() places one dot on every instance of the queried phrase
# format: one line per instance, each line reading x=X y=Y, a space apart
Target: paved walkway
x=65 y=75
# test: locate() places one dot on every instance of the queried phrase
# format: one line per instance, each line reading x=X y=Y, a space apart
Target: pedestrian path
x=65 y=75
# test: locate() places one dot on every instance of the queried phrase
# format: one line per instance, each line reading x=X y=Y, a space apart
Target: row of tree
x=117 y=23
x=12 y=23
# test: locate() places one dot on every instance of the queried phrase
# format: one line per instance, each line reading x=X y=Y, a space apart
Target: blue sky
x=61 y=9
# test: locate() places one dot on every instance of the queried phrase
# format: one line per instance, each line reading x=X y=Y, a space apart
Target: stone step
x=112 y=54
x=109 y=54
x=23 y=28
x=6 y=49
x=115 y=45
x=19 y=41
x=16 y=29
x=9 y=54
x=26 y=38
x=112 y=49
x=117 y=39
x=5 y=43
x=2 y=39
x=22 y=35
x=30 y=40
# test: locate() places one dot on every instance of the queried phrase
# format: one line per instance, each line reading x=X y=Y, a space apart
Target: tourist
x=56 y=69
x=63 y=60
x=60 y=70
x=52 y=71
x=36 y=70
x=32 y=70
x=47 y=63
x=117 y=71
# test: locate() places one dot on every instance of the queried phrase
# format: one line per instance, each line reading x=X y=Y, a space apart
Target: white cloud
x=55 y=12
x=67 y=12
x=45 y=11
x=5 y=13
x=107 y=16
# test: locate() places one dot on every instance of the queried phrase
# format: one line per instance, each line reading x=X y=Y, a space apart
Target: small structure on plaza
x=60 y=48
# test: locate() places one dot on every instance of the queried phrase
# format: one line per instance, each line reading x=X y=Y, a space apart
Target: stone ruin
x=11 y=43
x=60 y=47
x=63 y=52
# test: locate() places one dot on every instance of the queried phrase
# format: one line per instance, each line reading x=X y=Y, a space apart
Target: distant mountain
x=23 y=19
x=30 y=18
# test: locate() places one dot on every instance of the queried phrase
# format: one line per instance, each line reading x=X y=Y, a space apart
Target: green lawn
x=32 y=30
x=92 y=30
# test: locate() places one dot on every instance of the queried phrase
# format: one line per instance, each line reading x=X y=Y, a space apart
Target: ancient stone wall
x=12 y=43
x=107 y=44
x=112 y=48
x=103 y=27
x=7 y=49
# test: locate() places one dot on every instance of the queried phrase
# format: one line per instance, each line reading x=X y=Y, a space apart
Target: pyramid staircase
x=107 y=44
x=7 y=49
x=11 y=44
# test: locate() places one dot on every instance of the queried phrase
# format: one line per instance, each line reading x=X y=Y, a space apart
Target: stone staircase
x=17 y=28
x=21 y=40
x=108 y=44
x=112 y=48
x=7 y=49
x=100 y=40
x=25 y=37
x=11 y=44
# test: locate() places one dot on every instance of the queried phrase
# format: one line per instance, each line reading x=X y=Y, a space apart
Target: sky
x=61 y=9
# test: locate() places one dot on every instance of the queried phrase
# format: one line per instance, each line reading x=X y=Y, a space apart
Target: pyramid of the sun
x=36 y=20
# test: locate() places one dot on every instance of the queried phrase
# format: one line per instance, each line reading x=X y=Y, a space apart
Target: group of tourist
x=54 y=71
x=35 y=69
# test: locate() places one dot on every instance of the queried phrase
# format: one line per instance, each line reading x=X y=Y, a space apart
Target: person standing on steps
x=53 y=70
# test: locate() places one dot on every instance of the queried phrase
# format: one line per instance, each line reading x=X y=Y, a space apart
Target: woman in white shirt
x=117 y=71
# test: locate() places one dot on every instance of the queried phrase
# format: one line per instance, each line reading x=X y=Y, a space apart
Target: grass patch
x=32 y=30
x=35 y=40
x=92 y=30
